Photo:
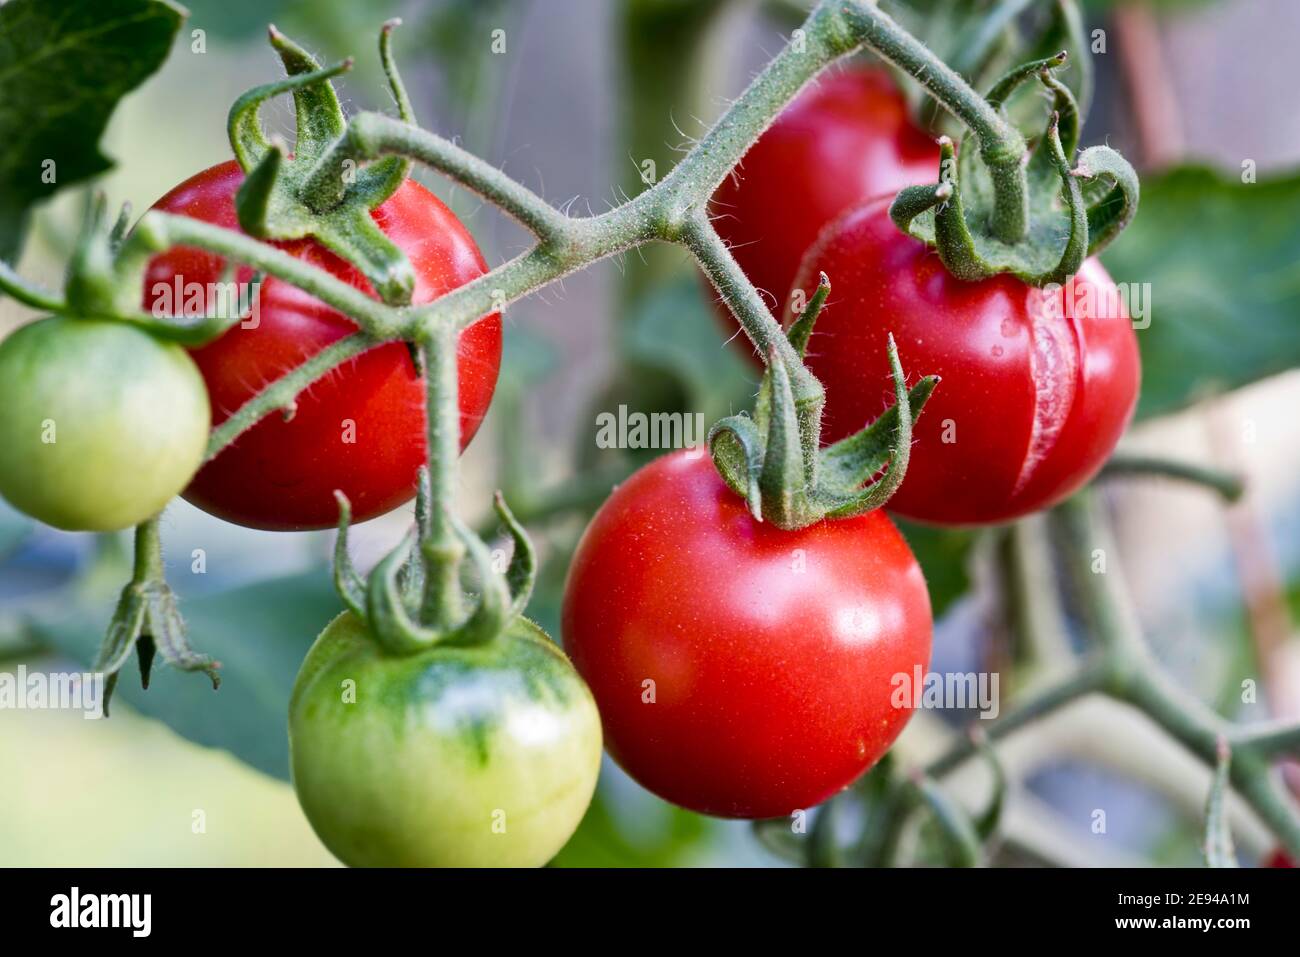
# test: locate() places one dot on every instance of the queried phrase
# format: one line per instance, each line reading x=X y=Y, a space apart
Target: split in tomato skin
x=847 y=137
x=741 y=670
x=1037 y=385
x=361 y=428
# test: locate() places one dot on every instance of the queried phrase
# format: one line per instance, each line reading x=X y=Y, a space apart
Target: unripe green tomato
x=452 y=757
x=101 y=424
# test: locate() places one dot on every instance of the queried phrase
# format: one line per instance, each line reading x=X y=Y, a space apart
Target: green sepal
x=521 y=573
x=147 y=620
x=774 y=460
x=275 y=201
x=1072 y=212
x=351 y=589
x=386 y=612
x=247 y=139
x=736 y=445
x=886 y=443
x=495 y=607
x=317 y=113
x=800 y=330
x=783 y=482
x=1101 y=168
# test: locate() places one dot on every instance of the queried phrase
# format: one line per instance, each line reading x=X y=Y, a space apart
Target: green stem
x=159 y=231
x=440 y=545
x=1036 y=704
x=1001 y=144
x=148 y=565
x=372 y=135
x=1228 y=484
x=1135 y=677
x=1274 y=739
x=747 y=305
x=282 y=393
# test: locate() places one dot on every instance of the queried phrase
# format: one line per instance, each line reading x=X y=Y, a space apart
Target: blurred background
x=585 y=90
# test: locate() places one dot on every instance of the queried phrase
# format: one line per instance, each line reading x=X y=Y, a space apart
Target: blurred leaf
x=1222 y=259
x=672 y=329
x=943 y=554
x=259 y=633
x=63 y=68
x=600 y=841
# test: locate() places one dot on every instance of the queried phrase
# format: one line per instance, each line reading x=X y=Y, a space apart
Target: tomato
x=1278 y=858
x=844 y=139
x=452 y=757
x=102 y=424
x=1037 y=384
x=741 y=670
x=361 y=428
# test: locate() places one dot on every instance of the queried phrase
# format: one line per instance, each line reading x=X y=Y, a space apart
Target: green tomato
x=452 y=757
x=101 y=424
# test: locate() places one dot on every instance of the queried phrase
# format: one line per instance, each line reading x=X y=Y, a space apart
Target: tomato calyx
x=104 y=277
x=148 y=622
x=774 y=459
x=281 y=200
x=404 y=614
x=1100 y=193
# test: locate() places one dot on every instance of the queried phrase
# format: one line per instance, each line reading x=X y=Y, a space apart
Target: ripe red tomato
x=361 y=428
x=846 y=138
x=1278 y=858
x=1038 y=384
x=741 y=670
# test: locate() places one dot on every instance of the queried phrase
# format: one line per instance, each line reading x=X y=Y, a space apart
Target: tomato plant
x=847 y=137
x=458 y=757
x=1037 y=384
x=360 y=429
x=741 y=670
x=103 y=424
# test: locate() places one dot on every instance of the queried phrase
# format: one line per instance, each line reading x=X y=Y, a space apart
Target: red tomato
x=361 y=428
x=1037 y=384
x=740 y=670
x=1278 y=858
x=846 y=138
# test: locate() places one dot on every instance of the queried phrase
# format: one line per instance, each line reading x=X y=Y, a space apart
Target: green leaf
x=63 y=68
x=1218 y=257
x=260 y=634
x=658 y=835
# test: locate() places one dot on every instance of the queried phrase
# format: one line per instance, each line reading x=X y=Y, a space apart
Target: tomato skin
x=847 y=137
x=362 y=427
x=771 y=652
x=442 y=749
x=102 y=424
x=1035 y=391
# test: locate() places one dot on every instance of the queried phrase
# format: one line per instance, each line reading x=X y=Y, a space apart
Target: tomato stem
x=440 y=546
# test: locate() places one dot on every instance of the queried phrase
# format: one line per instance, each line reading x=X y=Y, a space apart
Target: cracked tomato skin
x=770 y=656
x=1037 y=385
x=361 y=428
x=847 y=137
